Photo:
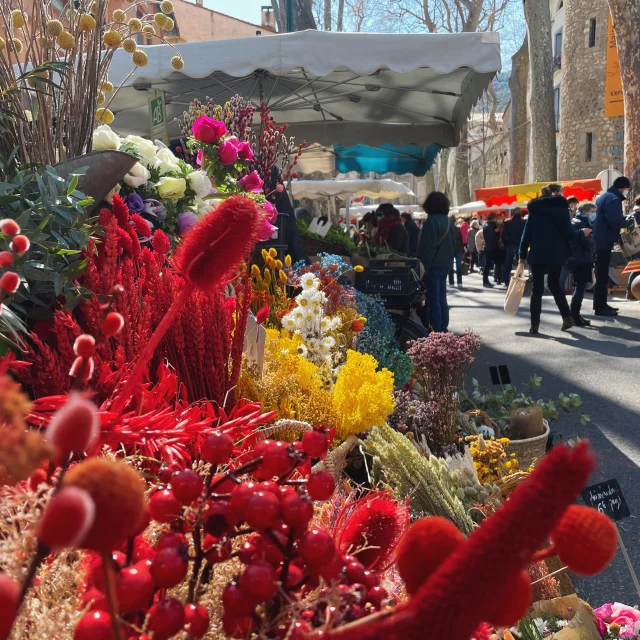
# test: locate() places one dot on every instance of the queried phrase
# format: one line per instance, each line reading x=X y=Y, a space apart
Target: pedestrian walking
x=545 y=245
x=435 y=250
x=490 y=236
x=580 y=263
x=606 y=229
x=500 y=254
x=482 y=259
x=414 y=233
x=511 y=235
x=457 y=257
x=472 y=247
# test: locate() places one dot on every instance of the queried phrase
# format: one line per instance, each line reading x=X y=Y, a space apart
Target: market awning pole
x=291 y=27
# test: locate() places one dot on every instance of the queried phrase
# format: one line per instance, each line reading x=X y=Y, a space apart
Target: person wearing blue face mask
x=606 y=229
x=580 y=263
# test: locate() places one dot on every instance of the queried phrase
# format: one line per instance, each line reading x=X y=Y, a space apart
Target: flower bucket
x=530 y=450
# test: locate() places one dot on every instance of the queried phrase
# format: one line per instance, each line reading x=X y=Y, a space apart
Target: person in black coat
x=491 y=248
x=414 y=233
x=583 y=255
x=545 y=244
x=511 y=234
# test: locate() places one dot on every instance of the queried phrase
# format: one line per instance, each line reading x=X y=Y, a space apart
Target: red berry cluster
x=19 y=245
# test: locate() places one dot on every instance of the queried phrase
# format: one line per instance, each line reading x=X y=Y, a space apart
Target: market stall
x=369 y=188
x=520 y=193
x=358 y=212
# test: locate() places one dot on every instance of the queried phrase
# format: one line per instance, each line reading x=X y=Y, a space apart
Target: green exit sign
x=157 y=111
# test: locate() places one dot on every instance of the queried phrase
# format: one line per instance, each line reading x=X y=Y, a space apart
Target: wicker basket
x=530 y=450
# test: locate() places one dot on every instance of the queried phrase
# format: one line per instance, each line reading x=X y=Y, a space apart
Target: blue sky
x=248 y=10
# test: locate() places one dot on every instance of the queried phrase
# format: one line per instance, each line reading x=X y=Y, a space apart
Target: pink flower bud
x=75 y=426
x=82 y=368
x=227 y=152
x=67 y=518
x=84 y=346
x=279 y=188
x=20 y=244
x=9 y=227
x=112 y=324
x=6 y=259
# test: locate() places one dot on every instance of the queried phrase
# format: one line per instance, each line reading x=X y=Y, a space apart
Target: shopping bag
x=630 y=240
x=515 y=290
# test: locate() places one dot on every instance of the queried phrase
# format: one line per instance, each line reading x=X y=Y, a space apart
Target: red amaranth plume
x=373 y=523
x=120 y=210
x=464 y=587
x=207 y=257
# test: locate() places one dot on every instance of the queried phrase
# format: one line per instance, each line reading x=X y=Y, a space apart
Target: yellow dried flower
x=278 y=264
x=267 y=276
x=177 y=63
x=287 y=260
x=148 y=30
x=264 y=254
x=139 y=58
x=18 y=19
x=358 y=268
x=159 y=19
x=112 y=38
x=166 y=6
x=86 y=22
x=129 y=45
x=66 y=41
x=104 y=116
x=119 y=15
x=101 y=98
x=15 y=45
x=53 y=28
x=135 y=25
x=273 y=253
x=3 y=44
x=106 y=86
x=282 y=277
x=169 y=24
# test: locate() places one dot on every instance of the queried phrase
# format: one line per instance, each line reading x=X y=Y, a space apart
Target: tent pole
x=290 y=19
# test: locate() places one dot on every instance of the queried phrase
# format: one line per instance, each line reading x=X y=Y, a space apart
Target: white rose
x=115 y=190
x=167 y=162
x=137 y=176
x=200 y=183
x=105 y=138
x=204 y=206
x=171 y=188
x=145 y=149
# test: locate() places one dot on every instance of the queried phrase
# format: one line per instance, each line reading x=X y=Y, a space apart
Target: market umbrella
x=382 y=188
x=500 y=196
x=347 y=88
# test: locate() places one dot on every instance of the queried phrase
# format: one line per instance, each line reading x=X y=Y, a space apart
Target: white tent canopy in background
x=350 y=88
x=474 y=207
x=382 y=188
x=358 y=212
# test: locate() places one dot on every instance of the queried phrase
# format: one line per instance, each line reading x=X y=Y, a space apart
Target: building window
x=556 y=106
x=592 y=32
x=588 y=147
x=557 y=50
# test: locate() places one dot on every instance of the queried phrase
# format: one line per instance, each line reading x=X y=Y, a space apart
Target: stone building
x=588 y=141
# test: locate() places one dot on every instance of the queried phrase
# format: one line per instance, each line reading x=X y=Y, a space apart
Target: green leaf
x=72 y=185
x=74 y=269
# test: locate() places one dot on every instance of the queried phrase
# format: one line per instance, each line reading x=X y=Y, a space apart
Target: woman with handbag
x=436 y=250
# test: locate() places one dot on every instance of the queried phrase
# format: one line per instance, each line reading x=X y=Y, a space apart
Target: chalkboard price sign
x=607 y=498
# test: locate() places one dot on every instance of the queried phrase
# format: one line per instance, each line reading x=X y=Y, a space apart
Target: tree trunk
x=340 y=25
x=625 y=15
x=280 y=13
x=518 y=83
x=429 y=181
x=327 y=15
x=463 y=192
x=304 y=15
x=543 y=128
x=443 y=178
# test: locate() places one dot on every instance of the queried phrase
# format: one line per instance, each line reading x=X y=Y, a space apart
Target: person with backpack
x=436 y=250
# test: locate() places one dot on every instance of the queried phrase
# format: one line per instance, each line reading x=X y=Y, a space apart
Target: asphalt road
x=602 y=365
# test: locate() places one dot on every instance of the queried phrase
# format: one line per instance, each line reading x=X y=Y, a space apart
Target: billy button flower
x=148 y=30
x=106 y=86
x=139 y=58
x=66 y=41
x=129 y=45
x=53 y=28
x=166 y=6
x=18 y=19
x=104 y=116
x=177 y=63
x=160 y=20
x=112 y=39
x=86 y=22
x=135 y=25
x=119 y=16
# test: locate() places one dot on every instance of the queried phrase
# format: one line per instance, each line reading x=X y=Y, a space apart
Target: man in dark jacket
x=606 y=229
x=511 y=235
x=580 y=263
x=491 y=248
x=414 y=233
x=546 y=244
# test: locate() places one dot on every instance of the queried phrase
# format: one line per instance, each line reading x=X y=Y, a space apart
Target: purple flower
x=134 y=203
x=186 y=220
x=154 y=208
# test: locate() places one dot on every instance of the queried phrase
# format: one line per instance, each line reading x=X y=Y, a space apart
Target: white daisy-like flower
x=309 y=281
x=330 y=341
x=302 y=351
x=288 y=322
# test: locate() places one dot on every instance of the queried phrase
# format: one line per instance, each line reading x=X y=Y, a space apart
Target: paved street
x=602 y=365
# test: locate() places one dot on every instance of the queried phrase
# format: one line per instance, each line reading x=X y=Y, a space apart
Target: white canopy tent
x=358 y=212
x=330 y=87
x=474 y=207
x=382 y=188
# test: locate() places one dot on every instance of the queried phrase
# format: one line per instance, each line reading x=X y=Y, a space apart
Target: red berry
x=94 y=625
x=333 y=570
x=112 y=324
x=96 y=573
x=84 y=346
x=94 y=600
x=164 y=506
x=235 y=602
x=376 y=595
x=38 y=477
x=169 y=568
x=270 y=486
x=320 y=485
x=294 y=576
x=197 y=620
x=9 y=227
x=20 y=244
x=10 y=281
x=220 y=518
x=354 y=612
x=9 y=595
x=6 y=259
x=276 y=460
x=316 y=547
x=315 y=443
x=170 y=539
x=187 y=486
x=239 y=496
x=166 y=618
x=164 y=475
x=238 y=627
x=142 y=550
x=268 y=551
x=246 y=552
x=216 y=551
x=371 y=579
x=296 y=510
x=262 y=510
x=258 y=582
x=134 y=589
x=355 y=572
x=217 y=448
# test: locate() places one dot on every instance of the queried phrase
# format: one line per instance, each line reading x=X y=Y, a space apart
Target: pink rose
x=227 y=152
x=245 y=151
x=272 y=212
x=208 y=130
x=199 y=157
x=604 y=612
x=602 y=627
x=252 y=182
x=266 y=231
x=625 y=611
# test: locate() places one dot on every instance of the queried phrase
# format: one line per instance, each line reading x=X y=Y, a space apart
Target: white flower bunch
x=308 y=320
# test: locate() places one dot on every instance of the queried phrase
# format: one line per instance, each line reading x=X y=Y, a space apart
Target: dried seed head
x=177 y=63
x=104 y=116
x=119 y=15
x=53 y=28
x=139 y=58
x=66 y=41
x=166 y=6
x=112 y=39
x=129 y=45
x=86 y=22
x=18 y=19
x=135 y=25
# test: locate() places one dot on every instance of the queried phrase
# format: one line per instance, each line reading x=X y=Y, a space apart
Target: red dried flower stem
x=147 y=353
x=110 y=593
